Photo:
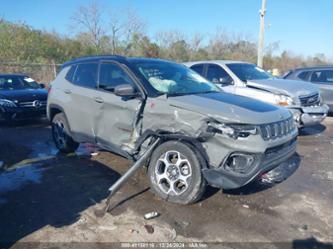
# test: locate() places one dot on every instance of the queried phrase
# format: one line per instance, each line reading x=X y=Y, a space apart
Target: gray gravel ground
x=47 y=199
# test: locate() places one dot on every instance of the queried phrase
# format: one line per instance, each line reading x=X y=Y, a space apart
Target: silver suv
x=301 y=98
x=123 y=104
x=322 y=76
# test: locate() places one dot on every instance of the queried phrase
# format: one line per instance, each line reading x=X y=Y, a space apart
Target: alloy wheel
x=173 y=173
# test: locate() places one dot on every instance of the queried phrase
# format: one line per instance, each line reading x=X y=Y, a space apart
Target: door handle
x=99 y=100
x=67 y=91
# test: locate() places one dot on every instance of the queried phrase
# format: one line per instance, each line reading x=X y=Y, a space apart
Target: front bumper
x=309 y=116
x=17 y=113
x=273 y=157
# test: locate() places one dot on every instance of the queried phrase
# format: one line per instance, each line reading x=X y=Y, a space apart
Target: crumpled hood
x=24 y=95
x=292 y=88
x=226 y=107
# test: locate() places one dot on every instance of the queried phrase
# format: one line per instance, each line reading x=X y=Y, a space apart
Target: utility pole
x=262 y=13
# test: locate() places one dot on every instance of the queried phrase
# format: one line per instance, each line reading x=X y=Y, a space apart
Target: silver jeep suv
x=207 y=136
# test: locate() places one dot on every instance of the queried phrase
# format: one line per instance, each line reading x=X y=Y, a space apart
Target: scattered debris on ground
x=149 y=228
x=151 y=215
x=245 y=206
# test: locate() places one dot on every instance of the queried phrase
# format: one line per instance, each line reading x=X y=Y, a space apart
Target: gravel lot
x=52 y=198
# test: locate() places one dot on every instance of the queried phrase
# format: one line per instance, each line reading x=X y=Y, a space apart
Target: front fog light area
x=240 y=163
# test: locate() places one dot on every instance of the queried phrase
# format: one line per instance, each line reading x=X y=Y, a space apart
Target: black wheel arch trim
x=167 y=136
x=55 y=106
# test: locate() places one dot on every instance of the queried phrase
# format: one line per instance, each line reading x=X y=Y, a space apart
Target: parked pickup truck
x=301 y=98
x=207 y=136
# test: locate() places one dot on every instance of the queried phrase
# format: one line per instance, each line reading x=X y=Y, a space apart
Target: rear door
x=80 y=103
x=115 y=116
x=324 y=79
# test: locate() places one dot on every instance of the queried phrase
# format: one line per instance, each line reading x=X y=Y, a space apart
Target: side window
x=304 y=75
x=111 y=75
x=198 y=68
x=329 y=76
x=70 y=73
x=86 y=75
x=324 y=76
x=218 y=75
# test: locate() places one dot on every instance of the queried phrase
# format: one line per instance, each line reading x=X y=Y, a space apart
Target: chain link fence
x=42 y=73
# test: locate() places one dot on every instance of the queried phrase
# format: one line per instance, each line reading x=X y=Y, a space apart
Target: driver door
x=220 y=77
x=115 y=116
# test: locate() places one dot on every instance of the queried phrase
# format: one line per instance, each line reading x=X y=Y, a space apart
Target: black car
x=21 y=97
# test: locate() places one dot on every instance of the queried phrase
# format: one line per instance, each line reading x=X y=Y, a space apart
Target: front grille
x=309 y=100
x=33 y=104
x=277 y=129
x=271 y=151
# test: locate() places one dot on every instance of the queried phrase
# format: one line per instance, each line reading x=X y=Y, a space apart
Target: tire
x=176 y=164
x=61 y=134
x=4 y=120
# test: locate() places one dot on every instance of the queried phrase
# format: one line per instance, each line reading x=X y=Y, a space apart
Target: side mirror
x=226 y=81
x=223 y=81
x=125 y=90
x=42 y=85
x=215 y=81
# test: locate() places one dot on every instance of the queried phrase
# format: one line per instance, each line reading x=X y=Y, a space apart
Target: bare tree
x=123 y=29
x=195 y=44
x=133 y=24
x=167 y=38
x=116 y=27
x=219 y=42
x=88 y=21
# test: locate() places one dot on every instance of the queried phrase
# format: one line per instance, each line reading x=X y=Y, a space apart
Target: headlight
x=275 y=99
x=7 y=103
x=233 y=130
x=283 y=100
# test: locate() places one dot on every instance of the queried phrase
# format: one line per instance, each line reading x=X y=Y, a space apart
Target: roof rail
x=92 y=57
x=315 y=67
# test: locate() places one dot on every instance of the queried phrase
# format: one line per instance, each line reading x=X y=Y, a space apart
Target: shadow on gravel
x=24 y=123
x=313 y=130
x=270 y=179
x=52 y=192
x=311 y=243
x=21 y=139
x=210 y=192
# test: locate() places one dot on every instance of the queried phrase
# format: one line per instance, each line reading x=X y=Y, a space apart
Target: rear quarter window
x=70 y=74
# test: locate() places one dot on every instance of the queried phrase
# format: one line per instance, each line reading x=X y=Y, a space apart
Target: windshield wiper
x=189 y=93
x=208 y=92
x=177 y=94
